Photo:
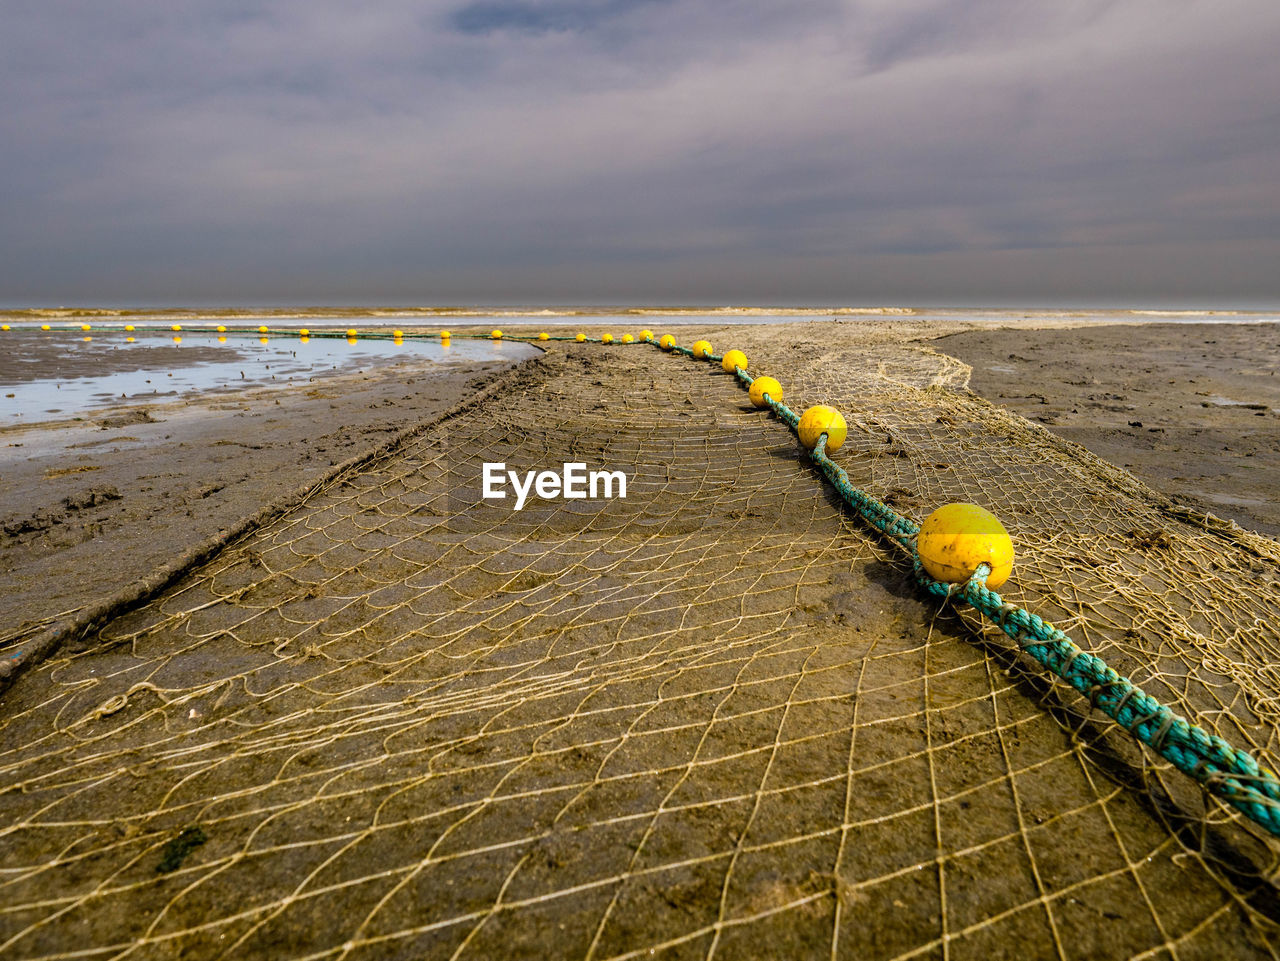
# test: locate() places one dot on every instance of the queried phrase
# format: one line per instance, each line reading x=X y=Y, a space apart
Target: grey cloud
x=667 y=149
x=494 y=15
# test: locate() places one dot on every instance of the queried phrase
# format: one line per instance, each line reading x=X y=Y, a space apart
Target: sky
x=813 y=152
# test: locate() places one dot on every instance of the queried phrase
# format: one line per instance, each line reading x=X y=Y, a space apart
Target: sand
x=1192 y=409
x=89 y=507
x=715 y=718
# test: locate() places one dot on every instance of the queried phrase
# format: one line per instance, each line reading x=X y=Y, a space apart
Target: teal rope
x=1224 y=771
x=1230 y=774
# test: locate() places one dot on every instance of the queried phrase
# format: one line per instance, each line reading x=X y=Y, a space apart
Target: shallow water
x=527 y=318
x=56 y=375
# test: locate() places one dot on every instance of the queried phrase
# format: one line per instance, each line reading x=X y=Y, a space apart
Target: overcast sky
x=658 y=151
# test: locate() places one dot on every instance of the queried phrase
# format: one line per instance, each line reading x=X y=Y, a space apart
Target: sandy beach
x=92 y=506
x=1192 y=409
x=395 y=719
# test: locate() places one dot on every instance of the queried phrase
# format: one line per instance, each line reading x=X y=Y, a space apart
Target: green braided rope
x=1231 y=774
x=1225 y=772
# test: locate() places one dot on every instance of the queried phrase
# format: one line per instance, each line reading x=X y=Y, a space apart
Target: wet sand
x=90 y=505
x=1191 y=409
x=716 y=717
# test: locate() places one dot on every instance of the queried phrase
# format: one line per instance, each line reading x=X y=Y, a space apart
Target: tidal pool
x=61 y=374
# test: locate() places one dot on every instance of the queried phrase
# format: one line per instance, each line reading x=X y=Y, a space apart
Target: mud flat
x=715 y=718
x=91 y=504
x=1192 y=409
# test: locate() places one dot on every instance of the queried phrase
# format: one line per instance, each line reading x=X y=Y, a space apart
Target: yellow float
x=764 y=385
x=956 y=538
x=820 y=420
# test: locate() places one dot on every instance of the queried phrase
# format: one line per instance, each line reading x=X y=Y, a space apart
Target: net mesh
x=712 y=719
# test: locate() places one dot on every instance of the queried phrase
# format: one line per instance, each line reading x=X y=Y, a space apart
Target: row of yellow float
x=351 y=333
x=954 y=540
x=304 y=334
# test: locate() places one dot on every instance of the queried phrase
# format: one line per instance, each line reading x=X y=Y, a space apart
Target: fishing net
x=713 y=719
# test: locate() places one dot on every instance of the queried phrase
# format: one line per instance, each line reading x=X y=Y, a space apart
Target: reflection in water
x=50 y=376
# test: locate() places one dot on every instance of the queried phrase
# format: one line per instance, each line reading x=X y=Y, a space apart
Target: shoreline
x=89 y=507
x=532 y=315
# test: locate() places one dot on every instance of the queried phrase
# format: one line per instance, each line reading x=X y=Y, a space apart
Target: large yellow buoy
x=580 y=337
x=352 y=333
x=646 y=334
x=628 y=339
x=956 y=538
x=606 y=339
x=85 y=327
x=667 y=342
x=4 y=326
x=221 y=329
x=733 y=359
x=495 y=334
x=820 y=420
x=44 y=326
x=128 y=326
x=445 y=335
x=304 y=332
x=764 y=385
x=397 y=334
x=544 y=336
x=701 y=349
x=176 y=327
x=266 y=330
